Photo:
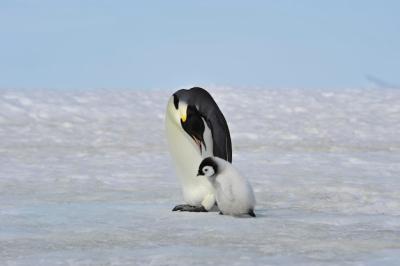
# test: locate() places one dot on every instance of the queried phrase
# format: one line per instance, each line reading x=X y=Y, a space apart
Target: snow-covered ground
x=85 y=179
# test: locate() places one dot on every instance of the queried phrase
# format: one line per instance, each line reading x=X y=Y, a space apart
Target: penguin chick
x=234 y=194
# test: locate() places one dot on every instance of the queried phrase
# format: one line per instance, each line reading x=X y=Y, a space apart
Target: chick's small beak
x=199 y=173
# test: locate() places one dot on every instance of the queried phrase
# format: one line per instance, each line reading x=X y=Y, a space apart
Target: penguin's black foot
x=189 y=208
x=251 y=213
x=220 y=213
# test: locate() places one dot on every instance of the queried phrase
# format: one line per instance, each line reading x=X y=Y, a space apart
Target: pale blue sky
x=167 y=44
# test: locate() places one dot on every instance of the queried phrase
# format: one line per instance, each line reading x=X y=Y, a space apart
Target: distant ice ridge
x=85 y=179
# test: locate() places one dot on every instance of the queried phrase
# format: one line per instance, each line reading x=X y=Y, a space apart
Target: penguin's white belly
x=186 y=156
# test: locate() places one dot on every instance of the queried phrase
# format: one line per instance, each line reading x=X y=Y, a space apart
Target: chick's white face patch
x=208 y=171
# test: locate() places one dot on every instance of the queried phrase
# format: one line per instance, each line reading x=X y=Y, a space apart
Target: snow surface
x=85 y=179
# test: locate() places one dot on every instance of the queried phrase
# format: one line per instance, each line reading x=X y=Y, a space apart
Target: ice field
x=86 y=179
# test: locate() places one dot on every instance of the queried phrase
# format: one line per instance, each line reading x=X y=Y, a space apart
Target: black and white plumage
x=196 y=129
x=234 y=194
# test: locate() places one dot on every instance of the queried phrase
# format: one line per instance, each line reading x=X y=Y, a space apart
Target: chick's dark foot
x=251 y=213
x=189 y=208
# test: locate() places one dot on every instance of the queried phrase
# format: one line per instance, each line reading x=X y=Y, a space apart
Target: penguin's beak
x=199 y=173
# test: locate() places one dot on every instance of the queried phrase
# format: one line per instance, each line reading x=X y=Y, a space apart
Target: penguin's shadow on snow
x=260 y=214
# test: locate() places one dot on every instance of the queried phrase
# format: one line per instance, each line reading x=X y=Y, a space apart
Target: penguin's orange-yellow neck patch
x=183 y=118
x=183 y=111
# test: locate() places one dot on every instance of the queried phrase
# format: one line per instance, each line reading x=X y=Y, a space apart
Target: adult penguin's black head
x=197 y=112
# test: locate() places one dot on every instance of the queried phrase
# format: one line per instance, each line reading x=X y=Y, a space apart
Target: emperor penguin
x=196 y=129
x=234 y=194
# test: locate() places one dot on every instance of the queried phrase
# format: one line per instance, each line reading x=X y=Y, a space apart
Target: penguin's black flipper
x=189 y=208
x=251 y=213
